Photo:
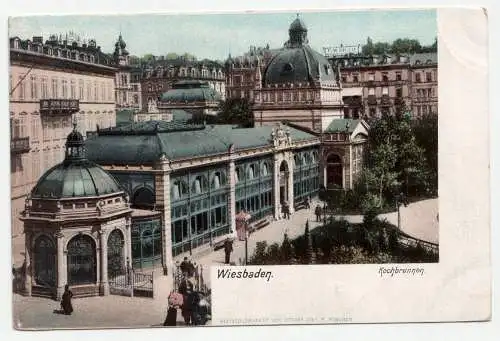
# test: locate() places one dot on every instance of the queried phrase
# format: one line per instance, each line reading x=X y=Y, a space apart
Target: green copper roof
x=124 y=116
x=145 y=143
x=190 y=91
x=340 y=125
x=75 y=179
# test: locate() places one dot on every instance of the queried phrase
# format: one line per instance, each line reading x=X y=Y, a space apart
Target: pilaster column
x=290 y=182
x=276 y=191
x=61 y=265
x=232 y=197
x=27 y=263
x=104 y=285
x=162 y=185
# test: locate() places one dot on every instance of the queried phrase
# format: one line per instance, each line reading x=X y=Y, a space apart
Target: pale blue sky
x=215 y=35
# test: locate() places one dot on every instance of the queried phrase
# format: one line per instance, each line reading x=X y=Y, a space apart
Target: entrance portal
x=334 y=171
x=283 y=179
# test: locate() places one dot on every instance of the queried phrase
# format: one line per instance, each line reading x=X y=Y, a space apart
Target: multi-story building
x=128 y=88
x=53 y=83
x=159 y=78
x=242 y=71
x=424 y=84
x=374 y=85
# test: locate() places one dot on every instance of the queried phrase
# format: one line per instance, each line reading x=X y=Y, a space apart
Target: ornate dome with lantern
x=298 y=62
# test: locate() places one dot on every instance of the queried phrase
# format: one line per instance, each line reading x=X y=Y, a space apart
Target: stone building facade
x=158 y=78
x=374 y=85
x=51 y=84
x=128 y=88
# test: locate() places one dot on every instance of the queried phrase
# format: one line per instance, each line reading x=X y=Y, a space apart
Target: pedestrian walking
x=308 y=203
x=318 y=212
x=228 y=248
x=286 y=210
x=66 y=305
x=187 y=307
x=184 y=265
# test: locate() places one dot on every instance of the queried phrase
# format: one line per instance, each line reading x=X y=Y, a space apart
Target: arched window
x=143 y=197
x=82 y=260
x=116 y=263
x=45 y=261
x=251 y=172
x=237 y=175
x=179 y=190
x=217 y=180
x=265 y=169
x=199 y=185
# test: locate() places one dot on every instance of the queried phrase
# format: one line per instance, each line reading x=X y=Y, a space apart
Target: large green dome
x=75 y=176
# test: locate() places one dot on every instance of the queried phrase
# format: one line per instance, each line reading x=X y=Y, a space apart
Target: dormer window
x=16 y=43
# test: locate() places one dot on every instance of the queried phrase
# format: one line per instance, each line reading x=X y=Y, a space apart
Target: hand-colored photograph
x=146 y=149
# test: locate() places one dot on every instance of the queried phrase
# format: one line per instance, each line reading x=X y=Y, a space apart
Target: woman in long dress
x=66 y=305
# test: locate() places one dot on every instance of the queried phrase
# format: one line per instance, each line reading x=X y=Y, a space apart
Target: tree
x=400 y=46
x=367 y=49
x=425 y=129
x=236 y=111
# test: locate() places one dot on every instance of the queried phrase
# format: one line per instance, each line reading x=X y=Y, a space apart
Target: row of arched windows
x=199 y=185
x=81 y=259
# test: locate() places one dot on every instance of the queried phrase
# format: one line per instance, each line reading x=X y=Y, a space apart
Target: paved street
x=418 y=219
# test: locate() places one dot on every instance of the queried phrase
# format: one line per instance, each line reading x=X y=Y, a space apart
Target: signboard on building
x=336 y=51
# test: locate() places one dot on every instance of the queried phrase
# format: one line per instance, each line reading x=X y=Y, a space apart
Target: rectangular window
x=399 y=92
x=385 y=77
x=45 y=90
x=371 y=77
x=428 y=77
x=103 y=95
x=385 y=91
x=35 y=128
x=64 y=88
x=80 y=89
x=33 y=92
x=22 y=90
x=55 y=92
x=398 y=76
x=94 y=97
x=417 y=77
x=89 y=92
x=46 y=130
x=371 y=92
x=72 y=90
x=355 y=78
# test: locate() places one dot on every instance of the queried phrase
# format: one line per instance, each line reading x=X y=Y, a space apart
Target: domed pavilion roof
x=75 y=176
x=298 y=62
x=190 y=91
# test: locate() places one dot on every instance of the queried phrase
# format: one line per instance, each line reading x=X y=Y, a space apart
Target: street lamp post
x=246 y=243
x=400 y=199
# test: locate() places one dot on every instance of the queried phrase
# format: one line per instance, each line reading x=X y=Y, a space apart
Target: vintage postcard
x=249 y=168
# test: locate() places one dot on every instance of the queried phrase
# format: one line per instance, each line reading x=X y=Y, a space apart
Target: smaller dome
x=190 y=91
x=75 y=179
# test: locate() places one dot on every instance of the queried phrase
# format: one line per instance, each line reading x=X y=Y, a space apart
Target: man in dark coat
x=66 y=305
x=184 y=265
x=228 y=248
x=318 y=212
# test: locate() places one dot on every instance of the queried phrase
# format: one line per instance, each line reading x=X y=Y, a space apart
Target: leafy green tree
x=425 y=129
x=405 y=45
x=236 y=111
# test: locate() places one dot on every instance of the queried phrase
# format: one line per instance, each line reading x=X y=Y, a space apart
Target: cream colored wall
x=48 y=134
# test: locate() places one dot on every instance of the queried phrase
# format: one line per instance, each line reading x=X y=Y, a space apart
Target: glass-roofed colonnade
x=198 y=196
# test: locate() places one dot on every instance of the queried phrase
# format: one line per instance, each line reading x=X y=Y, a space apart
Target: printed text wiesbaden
x=230 y=274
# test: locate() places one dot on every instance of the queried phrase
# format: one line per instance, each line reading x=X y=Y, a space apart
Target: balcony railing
x=19 y=145
x=59 y=107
